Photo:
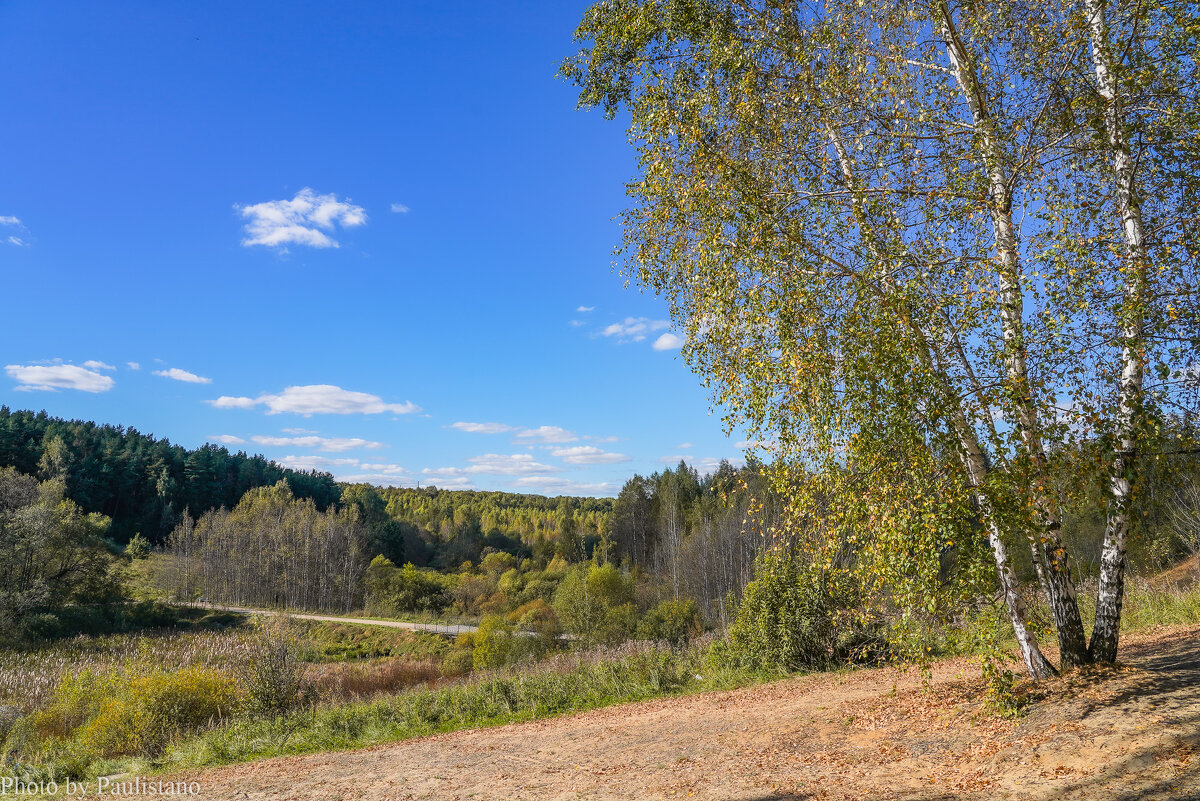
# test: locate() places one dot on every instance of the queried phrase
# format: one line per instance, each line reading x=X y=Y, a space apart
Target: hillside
x=1126 y=732
x=141 y=482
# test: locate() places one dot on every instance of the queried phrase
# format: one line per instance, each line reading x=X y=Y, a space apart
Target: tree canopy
x=950 y=238
x=142 y=483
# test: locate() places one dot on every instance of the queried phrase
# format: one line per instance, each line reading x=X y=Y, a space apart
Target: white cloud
x=92 y=364
x=12 y=239
x=588 y=454
x=303 y=220
x=133 y=365
x=552 y=485
x=399 y=208
x=298 y=431
x=577 y=323
x=683 y=446
x=327 y=444
x=388 y=469
x=516 y=464
x=704 y=464
x=452 y=482
x=602 y=439
x=317 y=399
x=585 y=309
x=175 y=374
x=230 y=402
x=388 y=475
x=482 y=428
x=227 y=439
x=58 y=376
x=668 y=341
x=550 y=435
x=315 y=462
x=634 y=329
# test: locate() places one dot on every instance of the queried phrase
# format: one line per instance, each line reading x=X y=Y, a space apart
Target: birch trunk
x=1106 y=631
x=1060 y=590
x=1035 y=662
x=970 y=453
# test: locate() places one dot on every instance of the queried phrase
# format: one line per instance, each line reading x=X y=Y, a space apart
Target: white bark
x=970 y=452
x=1060 y=589
x=1106 y=631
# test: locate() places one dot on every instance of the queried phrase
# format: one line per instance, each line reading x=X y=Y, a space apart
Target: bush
x=537 y=617
x=595 y=603
x=788 y=616
x=392 y=590
x=108 y=714
x=493 y=643
x=459 y=662
x=152 y=709
x=673 y=621
x=274 y=673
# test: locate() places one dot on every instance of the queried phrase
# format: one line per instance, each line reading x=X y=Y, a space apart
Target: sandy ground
x=1130 y=732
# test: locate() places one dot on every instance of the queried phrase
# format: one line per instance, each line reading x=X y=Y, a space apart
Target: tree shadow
x=1169 y=688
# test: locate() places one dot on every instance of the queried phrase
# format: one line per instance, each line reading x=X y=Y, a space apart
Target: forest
x=301 y=542
x=142 y=484
x=935 y=265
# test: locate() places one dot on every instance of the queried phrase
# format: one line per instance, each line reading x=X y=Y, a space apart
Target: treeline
x=698 y=535
x=459 y=524
x=142 y=484
x=272 y=549
x=278 y=550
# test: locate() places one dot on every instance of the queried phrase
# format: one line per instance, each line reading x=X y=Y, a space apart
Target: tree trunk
x=1060 y=590
x=1107 y=628
x=970 y=453
x=1035 y=662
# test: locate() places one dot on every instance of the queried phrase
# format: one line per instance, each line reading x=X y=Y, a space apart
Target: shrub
x=138 y=547
x=458 y=662
x=537 y=617
x=392 y=590
x=788 y=616
x=144 y=716
x=673 y=621
x=595 y=603
x=274 y=674
x=109 y=714
x=493 y=643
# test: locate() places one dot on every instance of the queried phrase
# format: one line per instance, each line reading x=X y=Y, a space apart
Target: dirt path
x=1122 y=733
x=453 y=629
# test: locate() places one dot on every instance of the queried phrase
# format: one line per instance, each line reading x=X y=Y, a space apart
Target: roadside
x=450 y=629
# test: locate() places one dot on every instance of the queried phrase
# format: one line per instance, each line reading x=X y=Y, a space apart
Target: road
x=451 y=629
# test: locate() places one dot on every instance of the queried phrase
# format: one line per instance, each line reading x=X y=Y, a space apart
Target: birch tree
x=876 y=225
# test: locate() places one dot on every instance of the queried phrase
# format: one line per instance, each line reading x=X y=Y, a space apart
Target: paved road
x=436 y=628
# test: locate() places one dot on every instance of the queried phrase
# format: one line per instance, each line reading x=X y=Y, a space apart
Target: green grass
x=337 y=642
x=562 y=686
x=1146 y=606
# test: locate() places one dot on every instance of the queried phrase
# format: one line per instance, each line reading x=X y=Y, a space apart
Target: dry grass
x=28 y=677
x=356 y=682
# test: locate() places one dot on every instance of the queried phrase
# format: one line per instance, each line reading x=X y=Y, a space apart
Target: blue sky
x=346 y=236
